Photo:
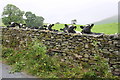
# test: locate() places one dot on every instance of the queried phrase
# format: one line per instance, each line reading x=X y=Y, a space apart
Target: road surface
x=4 y=72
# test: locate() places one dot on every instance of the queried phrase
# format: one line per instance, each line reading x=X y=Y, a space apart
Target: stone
x=110 y=42
x=86 y=55
x=86 y=46
x=115 y=42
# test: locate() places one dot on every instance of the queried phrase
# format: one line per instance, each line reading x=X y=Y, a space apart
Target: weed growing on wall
x=34 y=60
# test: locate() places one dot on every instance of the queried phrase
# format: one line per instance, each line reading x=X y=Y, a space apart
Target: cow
x=69 y=29
x=65 y=29
x=48 y=27
x=13 y=24
x=44 y=27
x=87 y=29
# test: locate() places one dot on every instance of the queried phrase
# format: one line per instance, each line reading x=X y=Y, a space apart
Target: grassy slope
x=112 y=19
x=106 y=28
x=103 y=28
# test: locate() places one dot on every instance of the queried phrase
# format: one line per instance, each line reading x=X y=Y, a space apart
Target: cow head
x=50 y=27
x=69 y=29
x=87 y=29
x=65 y=28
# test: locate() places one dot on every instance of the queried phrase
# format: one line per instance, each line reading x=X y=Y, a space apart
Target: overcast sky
x=63 y=11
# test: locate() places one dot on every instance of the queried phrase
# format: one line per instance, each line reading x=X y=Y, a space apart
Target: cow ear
x=61 y=29
x=52 y=24
x=92 y=25
x=66 y=25
x=81 y=27
x=75 y=27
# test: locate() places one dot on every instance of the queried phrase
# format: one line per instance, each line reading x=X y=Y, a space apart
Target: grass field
x=106 y=28
x=103 y=28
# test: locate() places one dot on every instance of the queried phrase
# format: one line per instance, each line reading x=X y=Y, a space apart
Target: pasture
x=103 y=28
x=111 y=28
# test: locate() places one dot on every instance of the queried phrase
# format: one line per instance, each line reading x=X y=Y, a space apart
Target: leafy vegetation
x=12 y=13
x=33 y=59
x=33 y=20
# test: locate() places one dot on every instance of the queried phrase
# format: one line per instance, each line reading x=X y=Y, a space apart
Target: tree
x=39 y=21
x=57 y=22
x=74 y=21
x=32 y=20
x=12 y=13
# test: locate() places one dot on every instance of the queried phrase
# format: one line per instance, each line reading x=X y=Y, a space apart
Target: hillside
x=110 y=28
x=113 y=19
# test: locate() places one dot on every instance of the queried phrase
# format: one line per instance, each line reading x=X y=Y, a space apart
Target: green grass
x=103 y=28
x=106 y=28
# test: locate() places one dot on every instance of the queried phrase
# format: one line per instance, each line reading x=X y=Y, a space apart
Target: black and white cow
x=44 y=27
x=65 y=29
x=23 y=26
x=13 y=24
x=87 y=29
x=69 y=29
x=48 y=27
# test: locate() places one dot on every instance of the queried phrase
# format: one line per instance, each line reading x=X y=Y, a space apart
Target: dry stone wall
x=78 y=47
